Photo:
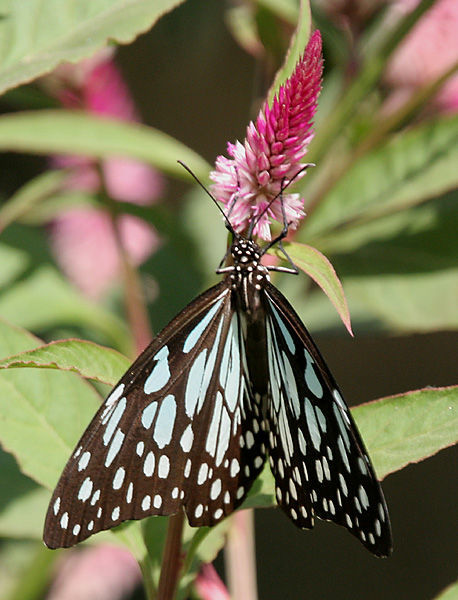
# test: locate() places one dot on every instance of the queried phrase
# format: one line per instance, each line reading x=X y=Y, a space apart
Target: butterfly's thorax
x=247 y=276
x=247 y=279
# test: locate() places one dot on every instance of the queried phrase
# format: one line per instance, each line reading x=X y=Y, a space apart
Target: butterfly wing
x=168 y=436
x=317 y=456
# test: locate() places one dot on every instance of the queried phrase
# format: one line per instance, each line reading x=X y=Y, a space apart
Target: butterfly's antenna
x=256 y=220
x=215 y=201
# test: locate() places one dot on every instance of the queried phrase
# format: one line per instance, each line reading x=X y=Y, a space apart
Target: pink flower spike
x=272 y=152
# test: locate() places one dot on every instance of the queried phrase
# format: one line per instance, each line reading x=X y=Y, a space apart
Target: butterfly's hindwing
x=169 y=433
x=317 y=456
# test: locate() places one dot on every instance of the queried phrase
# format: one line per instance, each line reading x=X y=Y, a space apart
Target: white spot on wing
x=160 y=374
x=312 y=424
x=203 y=472
x=64 y=520
x=187 y=439
x=118 y=479
x=84 y=461
x=111 y=400
x=140 y=448
x=165 y=421
x=56 y=505
x=194 y=383
x=86 y=489
x=148 y=465
x=114 y=420
x=198 y=330
x=163 y=466
x=130 y=492
x=148 y=414
x=95 y=497
x=115 y=447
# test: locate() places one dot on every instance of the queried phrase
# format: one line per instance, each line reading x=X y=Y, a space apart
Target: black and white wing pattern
x=168 y=437
x=316 y=454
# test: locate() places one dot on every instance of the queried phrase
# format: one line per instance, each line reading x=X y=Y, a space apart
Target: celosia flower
x=80 y=234
x=271 y=154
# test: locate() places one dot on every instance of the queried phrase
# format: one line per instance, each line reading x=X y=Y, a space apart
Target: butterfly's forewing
x=317 y=456
x=168 y=436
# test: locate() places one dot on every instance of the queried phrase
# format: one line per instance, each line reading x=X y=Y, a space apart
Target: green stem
x=134 y=300
x=146 y=568
x=137 y=314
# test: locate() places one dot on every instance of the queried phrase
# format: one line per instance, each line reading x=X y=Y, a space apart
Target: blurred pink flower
x=209 y=585
x=96 y=573
x=429 y=50
x=271 y=153
x=82 y=239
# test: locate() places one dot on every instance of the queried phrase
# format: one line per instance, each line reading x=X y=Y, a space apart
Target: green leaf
x=29 y=195
x=72 y=132
x=26 y=569
x=42 y=412
x=296 y=48
x=85 y=358
x=420 y=239
x=409 y=169
x=22 y=502
x=23 y=517
x=40 y=34
x=14 y=261
x=46 y=299
x=418 y=302
x=450 y=592
x=288 y=10
x=318 y=267
x=408 y=428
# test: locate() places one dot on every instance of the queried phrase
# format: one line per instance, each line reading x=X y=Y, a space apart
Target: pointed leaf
x=409 y=427
x=318 y=267
x=22 y=502
x=42 y=412
x=412 y=167
x=29 y=195
x=72 y=132
x=43 y=33
x=85 y=358
x=46 y=299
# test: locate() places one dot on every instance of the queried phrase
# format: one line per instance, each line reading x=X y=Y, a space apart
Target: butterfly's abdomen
x=248 y=278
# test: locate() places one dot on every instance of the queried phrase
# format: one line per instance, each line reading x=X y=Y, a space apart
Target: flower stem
x=240 y=557
x=136 y=311
x=172 y=559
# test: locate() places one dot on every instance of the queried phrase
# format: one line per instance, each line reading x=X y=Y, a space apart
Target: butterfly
x=232 y=381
